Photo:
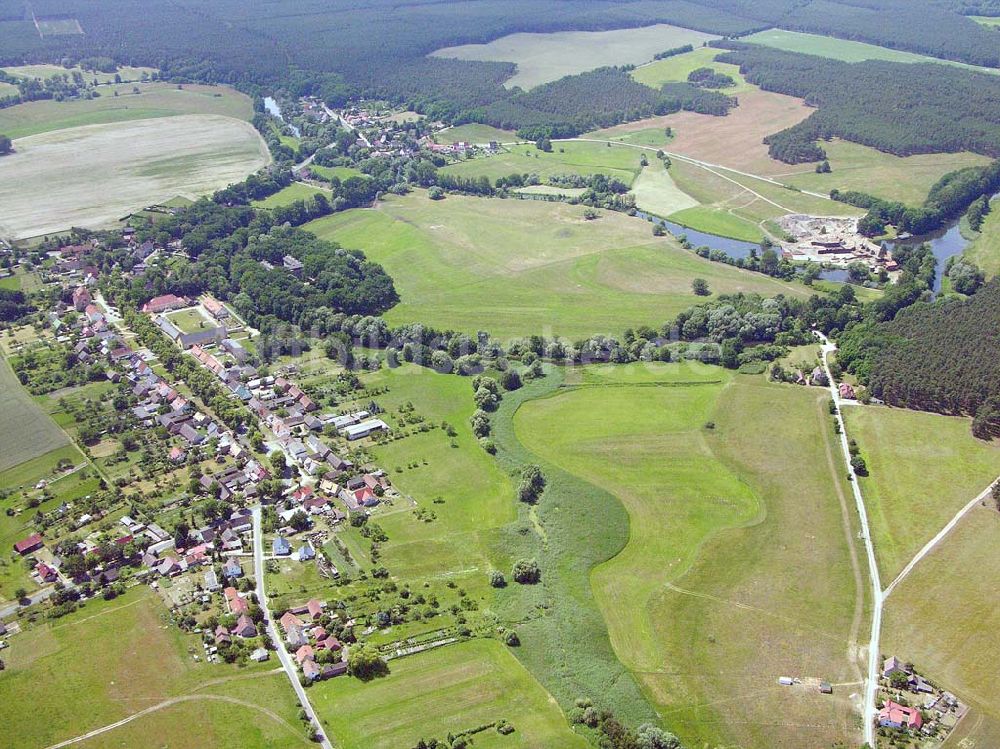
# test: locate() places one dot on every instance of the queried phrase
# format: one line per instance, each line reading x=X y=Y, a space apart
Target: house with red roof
x=315 y=608
x=236 y=603
x=305 y=653
x=289 y=620
x=45 y=573
x=894 y=715
x=29 y=544
x=164 y=303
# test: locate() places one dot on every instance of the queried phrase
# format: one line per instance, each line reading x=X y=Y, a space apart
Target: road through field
x=871 y=682
x=272 y=630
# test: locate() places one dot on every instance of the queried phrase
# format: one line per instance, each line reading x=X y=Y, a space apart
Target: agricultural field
x=677 y=68
x=942 y=618
x=26 y=432
x=907 y=179
x=541 y=58
x=526 y=267
x=474 y=133
x=451 y=689
x=113 y=659
x=985 y=248
x=839 y=49
x=656 y=193
x=566 y=157
x=723 y=552
x=91 y=176
x=923 y=469
x=287 y=196
x=153 y=100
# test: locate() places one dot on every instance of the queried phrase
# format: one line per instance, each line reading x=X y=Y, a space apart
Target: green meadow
x=923 y=468
x=474 y=133
x=678 y=67
x=288 y=195
x=112 y=659
x=723 y=550
x=328 y=172
x=984 y=250
x=566 y=157
x=519 y=267
x=450 y=689
x=153 y=100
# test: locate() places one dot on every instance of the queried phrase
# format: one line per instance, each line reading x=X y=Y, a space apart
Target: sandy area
x=91 y=176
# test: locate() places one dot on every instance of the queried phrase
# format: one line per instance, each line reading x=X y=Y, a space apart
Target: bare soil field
x=735 y=140
x=90 y=176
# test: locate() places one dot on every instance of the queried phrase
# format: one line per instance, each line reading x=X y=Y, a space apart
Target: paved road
x=871 y=682
x=272 y=631
x=937 y=539
x=34 y=598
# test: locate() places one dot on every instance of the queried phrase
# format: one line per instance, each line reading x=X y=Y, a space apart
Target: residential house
x=245 y=627
x=164 y=303
x=45 y=573
x=29 y=544
x=305 y=552
x=237 y=604
x=259 y=655
x=212 y=581
x=215 y=308
x=232 y=568
x=894 y=715
x=304 y=653
x=281 y=547
x=893 y=665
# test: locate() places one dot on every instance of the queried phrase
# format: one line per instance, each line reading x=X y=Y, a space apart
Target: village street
x=272 y=630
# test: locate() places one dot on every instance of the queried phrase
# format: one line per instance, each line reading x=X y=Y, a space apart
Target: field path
x=169 y=703
x=871 y=682
x=929 y=546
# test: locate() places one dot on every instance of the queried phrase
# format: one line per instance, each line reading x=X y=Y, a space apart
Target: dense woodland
x=935 y=357
x=899 y=108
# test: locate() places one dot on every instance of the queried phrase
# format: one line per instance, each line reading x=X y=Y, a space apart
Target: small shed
x=786 y=681
x=825 y=687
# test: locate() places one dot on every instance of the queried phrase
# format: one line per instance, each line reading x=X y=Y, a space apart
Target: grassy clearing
x=112 y=659
x=128 y=73
x=524 y=267
x=473 y=495
x=841 y=49
x=153 y=100
x=725 y=549
x=450 y=689
x=341 y=172
x=541 y=58
x=288 y=195
x=986 y=20
x=677 y=68
x=715 y=221
x=985 y=249
x=943 y=618
x=566 y=192
x=907 y=179
x=189 y=320
x=25 y=431
x=924 y=468
x=656 y=192
x=91 y=176
x=566 y=158
x=474 y=133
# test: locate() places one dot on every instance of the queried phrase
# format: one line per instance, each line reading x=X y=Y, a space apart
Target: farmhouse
x=894 y=715
x=215 y=308
x=365 y=428
x=245 y=627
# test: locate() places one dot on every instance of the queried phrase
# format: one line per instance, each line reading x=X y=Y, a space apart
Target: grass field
x=341 y=172
x=541 y=58
x=288 y=195
x=841 y=49
x=476 y=494
x=189 y=320
x=128 y=73
x=986 y=20
x=566 y=192
x=526 y=267
x=677 y=68
x=565 y=158
x=58 y=26
x=735 y=541
x=112 y=659
x=154 y=100
x=91 y=176
x=943 y=618
x=474 y=133
x=984 y=251
x=26 y=432
x=924 y=468
x=656 y=192
x=904 y=178
x=450 y=689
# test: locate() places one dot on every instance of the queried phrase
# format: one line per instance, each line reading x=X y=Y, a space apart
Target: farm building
x=365 y=428
x=894 y=715
x=164 y=303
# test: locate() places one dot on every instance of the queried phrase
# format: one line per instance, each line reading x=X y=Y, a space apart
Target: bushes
x=532 y=484
x=526 y=572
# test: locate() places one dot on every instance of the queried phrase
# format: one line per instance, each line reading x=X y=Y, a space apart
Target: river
x=272 y=107
x=945 y=243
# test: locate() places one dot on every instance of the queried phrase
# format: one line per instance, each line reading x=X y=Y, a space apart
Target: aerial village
x=307 y=485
